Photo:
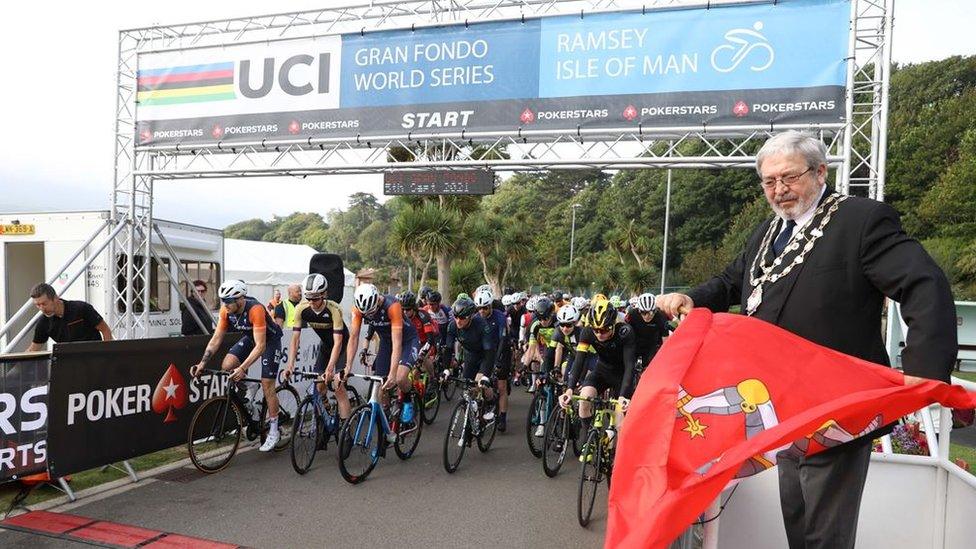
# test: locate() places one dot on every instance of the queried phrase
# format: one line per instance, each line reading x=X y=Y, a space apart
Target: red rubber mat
x=103 y=533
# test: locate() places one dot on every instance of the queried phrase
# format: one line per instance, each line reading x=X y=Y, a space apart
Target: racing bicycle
x=316 y=422
x=221 y=421
x=365 y=437
x=473 y=419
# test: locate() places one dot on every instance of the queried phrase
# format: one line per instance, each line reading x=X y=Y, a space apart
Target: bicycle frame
x=376 y=410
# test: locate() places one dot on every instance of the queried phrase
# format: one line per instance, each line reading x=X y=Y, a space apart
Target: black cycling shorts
x=603 y=377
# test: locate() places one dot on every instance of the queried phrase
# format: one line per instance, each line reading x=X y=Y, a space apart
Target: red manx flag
x=722 y=398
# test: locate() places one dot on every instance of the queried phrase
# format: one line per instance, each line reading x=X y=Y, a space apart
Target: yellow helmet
x=602 y=315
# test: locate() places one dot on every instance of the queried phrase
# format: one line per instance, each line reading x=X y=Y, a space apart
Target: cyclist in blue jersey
x=262 y=340
x=399 y=343
x=478 y=342
x=498 y=328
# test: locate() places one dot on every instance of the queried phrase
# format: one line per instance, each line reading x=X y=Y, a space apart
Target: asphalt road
x=500 y=498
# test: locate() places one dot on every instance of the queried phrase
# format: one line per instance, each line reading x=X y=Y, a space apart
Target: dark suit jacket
x=834 y=297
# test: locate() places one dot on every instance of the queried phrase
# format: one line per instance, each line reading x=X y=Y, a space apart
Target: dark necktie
x=784 y=237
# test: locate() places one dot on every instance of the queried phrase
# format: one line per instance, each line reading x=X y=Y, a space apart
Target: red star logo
x=217 y=131
x=294 y=127
x=528 y=116
x=630 y=113
x=740 y=109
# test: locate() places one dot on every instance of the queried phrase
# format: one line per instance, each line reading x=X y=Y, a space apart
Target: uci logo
x=742 y=44
x=296 y=76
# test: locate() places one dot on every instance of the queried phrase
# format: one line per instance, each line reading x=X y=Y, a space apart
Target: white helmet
x=580 y=303
x=567 y=315
x=232 y=289
x=483 y=298
x=485 y=288
x=645 y=303
x=530 y=306
x=314 y=285
x=522 y=296
x=367 y=298
x=506 y=300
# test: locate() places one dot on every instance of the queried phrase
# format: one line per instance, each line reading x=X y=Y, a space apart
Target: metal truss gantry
x=856 y=147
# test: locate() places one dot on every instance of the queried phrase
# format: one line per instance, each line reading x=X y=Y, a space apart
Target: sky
x=56 y=152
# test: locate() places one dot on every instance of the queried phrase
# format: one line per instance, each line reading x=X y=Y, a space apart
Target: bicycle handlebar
x=223 y=373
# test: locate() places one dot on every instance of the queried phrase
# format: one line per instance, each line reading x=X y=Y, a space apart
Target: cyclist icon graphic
x=740 y=43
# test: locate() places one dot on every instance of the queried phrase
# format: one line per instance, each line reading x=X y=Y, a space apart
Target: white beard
x=802 y=205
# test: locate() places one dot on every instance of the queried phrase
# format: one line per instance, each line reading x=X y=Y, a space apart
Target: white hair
x=813 y=151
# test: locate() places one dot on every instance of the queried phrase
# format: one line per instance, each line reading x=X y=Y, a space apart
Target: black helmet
x=434 y=296
x=407 y=300
x=463 y=308
x=425 y=292
x=544 y=308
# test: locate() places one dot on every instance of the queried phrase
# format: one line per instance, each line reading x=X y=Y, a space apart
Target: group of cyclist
x=596 y=344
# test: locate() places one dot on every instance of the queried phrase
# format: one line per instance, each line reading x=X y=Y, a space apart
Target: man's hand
x=288 y=371
x=238 y=374
x=566 y=398
x=196 y=369
x=673 y=305
x=624 y=404
x=390 y=382
x=329 y=372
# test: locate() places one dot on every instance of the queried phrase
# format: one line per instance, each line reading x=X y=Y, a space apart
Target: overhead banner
x=23 y=414
x=728 y=65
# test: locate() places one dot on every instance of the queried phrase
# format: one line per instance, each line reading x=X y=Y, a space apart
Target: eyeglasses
x=601 y=331
x=567 y=325
x=789 y=180
x=485 y=308
x=229 y=300
x=315 y=299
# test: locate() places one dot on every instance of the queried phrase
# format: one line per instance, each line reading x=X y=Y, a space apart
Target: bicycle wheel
x=408 y=432
x=288 y=401
x=432 y=400
x=449 y=389
x=556 y=440
x=355 y=401
x=487 y=434
x=590 y=477
x=576 y=433
x=306 y=436
x=535 y=419
x=456 y=437
x=215 y=434
x=359 y=445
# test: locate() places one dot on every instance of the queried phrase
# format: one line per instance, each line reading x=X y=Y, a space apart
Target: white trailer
x=34 y=247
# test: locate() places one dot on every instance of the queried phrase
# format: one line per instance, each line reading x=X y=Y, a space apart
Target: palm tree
x=444 y=244
x=425 y=231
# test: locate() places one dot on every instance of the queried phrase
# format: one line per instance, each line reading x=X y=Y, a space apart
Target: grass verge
x=91 y=477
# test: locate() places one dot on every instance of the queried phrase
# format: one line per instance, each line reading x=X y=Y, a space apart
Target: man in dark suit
x=820 y=268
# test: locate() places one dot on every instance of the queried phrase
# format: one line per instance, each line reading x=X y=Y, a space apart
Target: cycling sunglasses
x=602 y=331
x=567 y=325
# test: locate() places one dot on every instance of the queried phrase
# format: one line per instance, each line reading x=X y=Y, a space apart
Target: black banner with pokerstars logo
x=115 y=400
x=23 y=414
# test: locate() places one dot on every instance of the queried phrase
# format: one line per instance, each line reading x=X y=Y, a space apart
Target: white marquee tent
x=265 y=266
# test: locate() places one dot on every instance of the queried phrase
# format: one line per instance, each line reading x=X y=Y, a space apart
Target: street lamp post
x=572 y=236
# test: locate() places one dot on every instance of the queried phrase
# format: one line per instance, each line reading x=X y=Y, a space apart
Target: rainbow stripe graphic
x=187 y=84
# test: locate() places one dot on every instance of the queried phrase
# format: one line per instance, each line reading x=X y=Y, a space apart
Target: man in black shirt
x=64 y=320
x=190 y=326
